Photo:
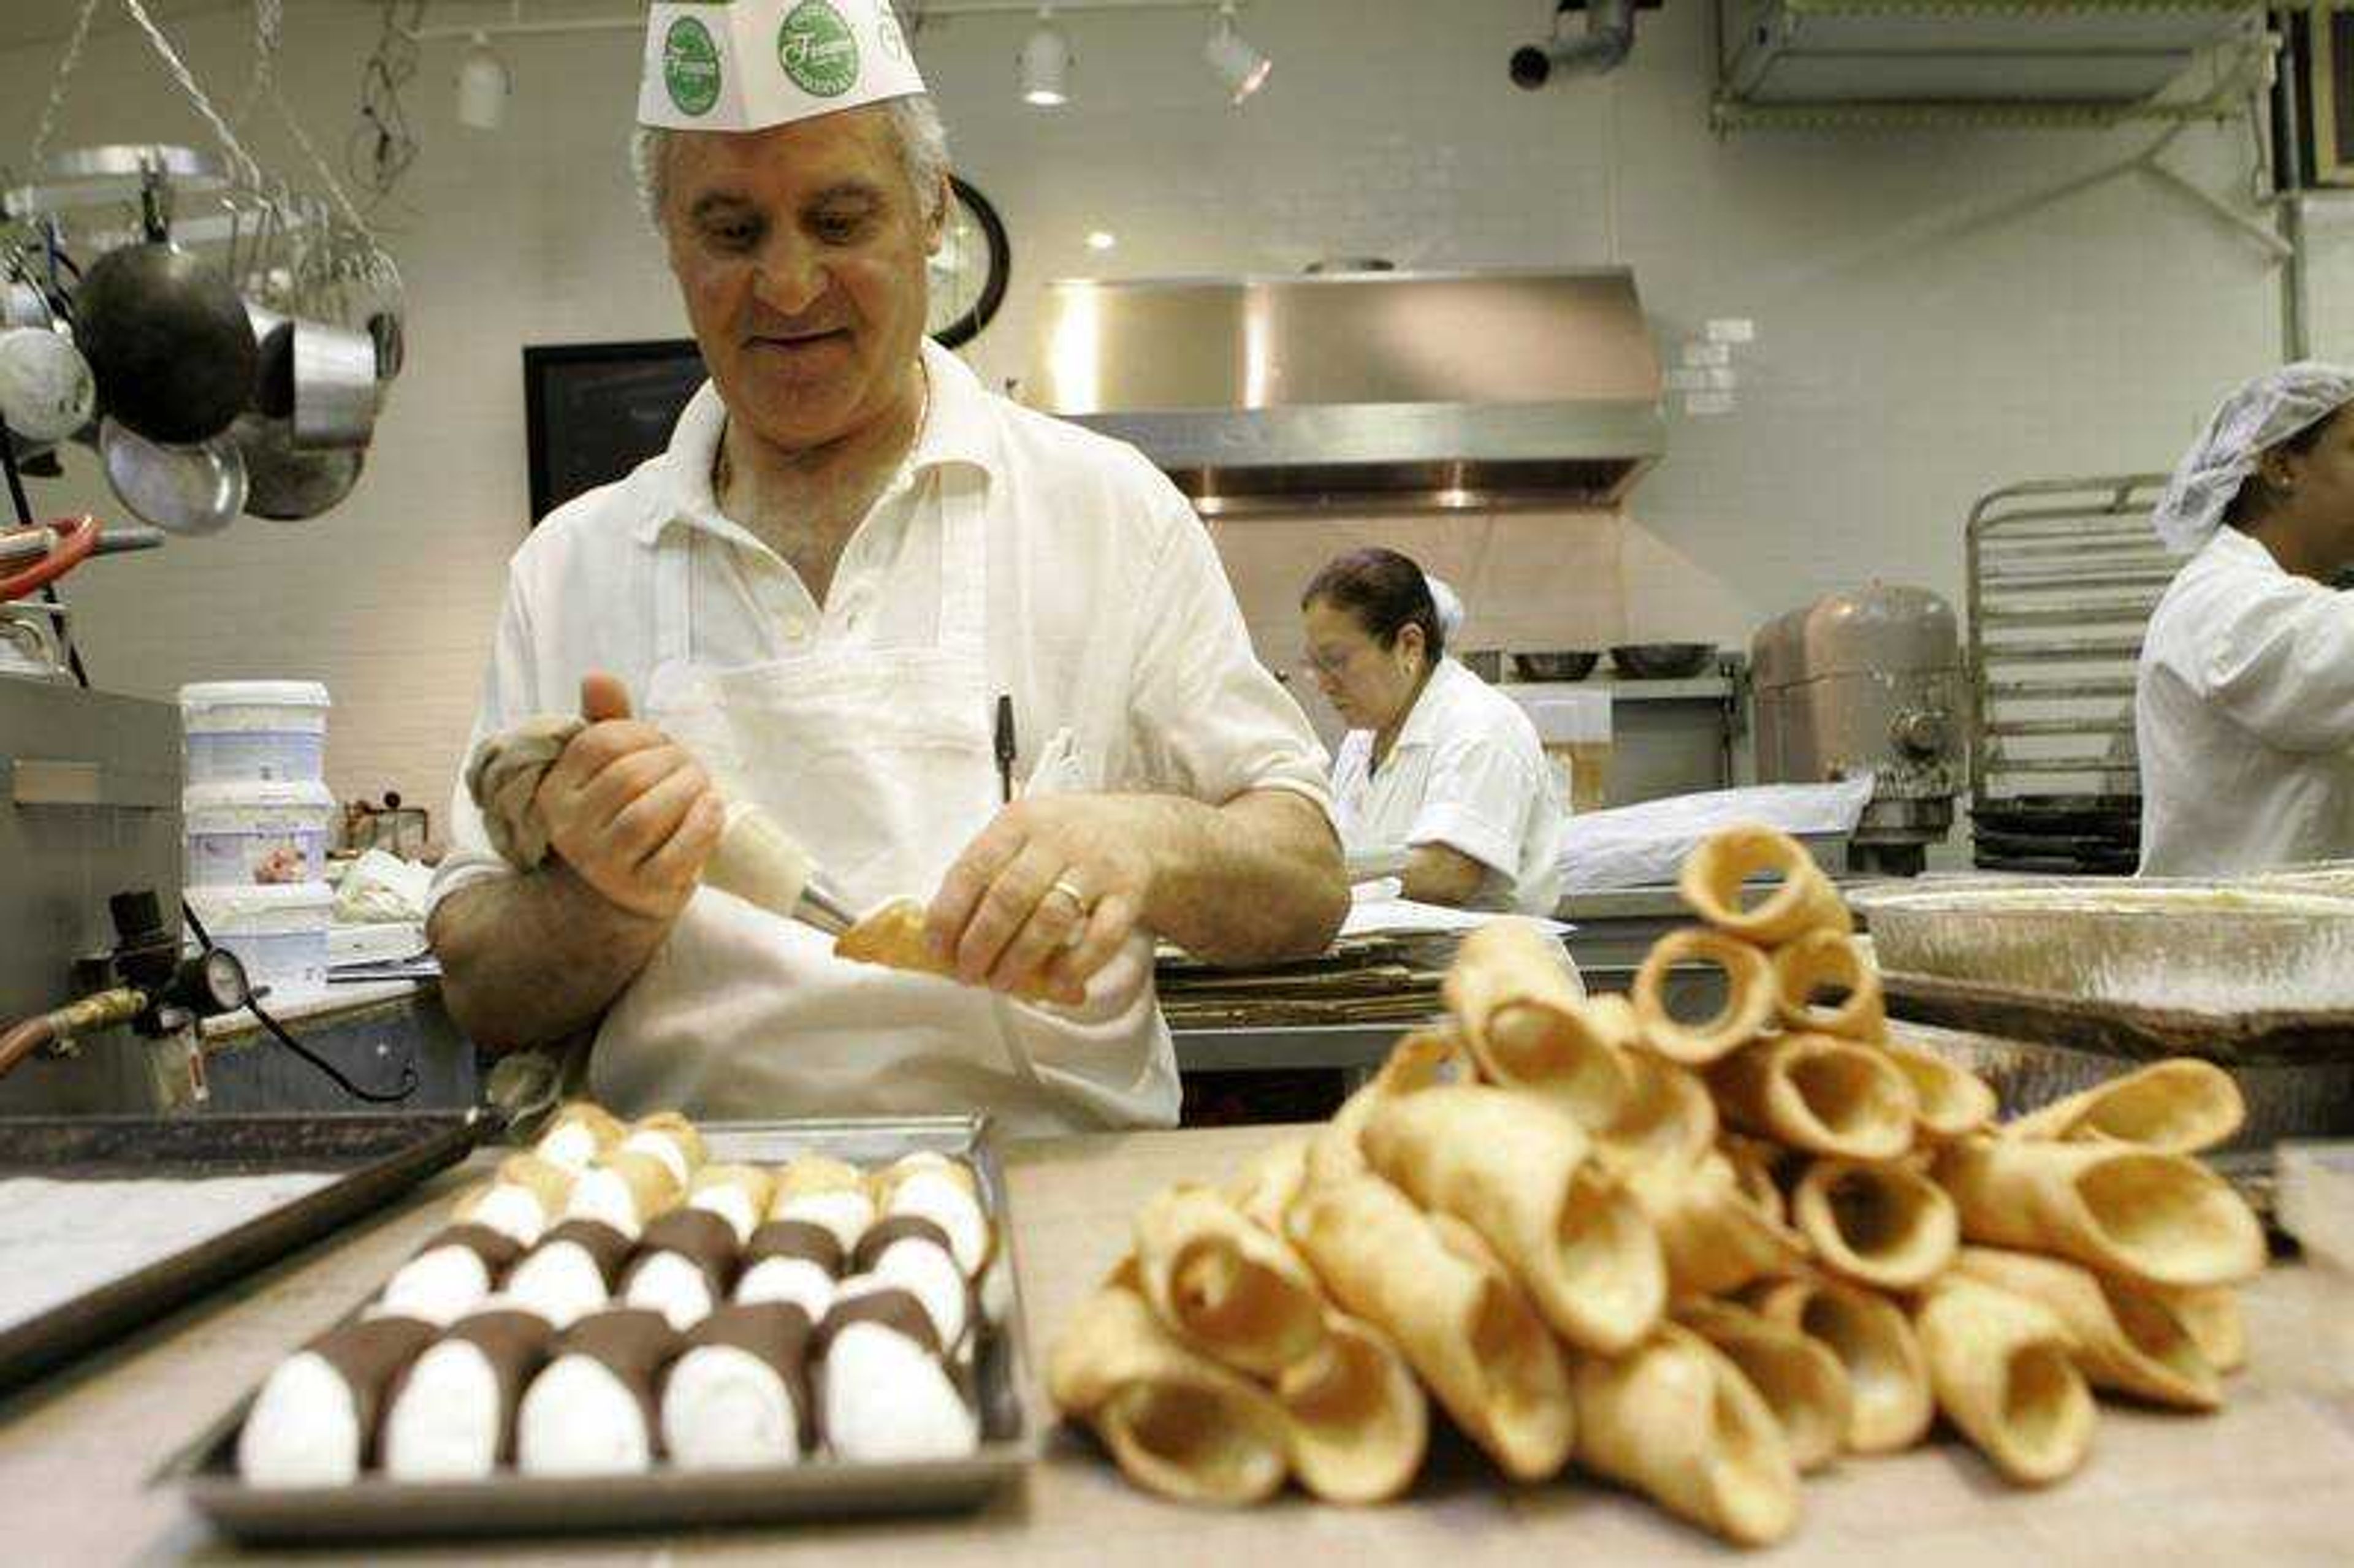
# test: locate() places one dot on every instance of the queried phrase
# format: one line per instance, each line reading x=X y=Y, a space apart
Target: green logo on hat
x=691 y=65
x=818 y=50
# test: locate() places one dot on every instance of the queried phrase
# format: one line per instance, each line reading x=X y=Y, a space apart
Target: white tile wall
x=1926 y=329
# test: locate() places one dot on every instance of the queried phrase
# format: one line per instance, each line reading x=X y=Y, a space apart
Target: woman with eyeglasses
x=1440 y=773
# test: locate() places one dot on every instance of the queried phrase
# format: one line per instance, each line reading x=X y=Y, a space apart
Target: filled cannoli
x=825 y=1191
x=2177 y=1106
x=945 y=1192
x=685 y=1264
x=1176 y=1422
x=1824 y=961
x=592 y=1411
x=1802 y=900
x=2001 y=1366
x=791 y=1260
x=913 y=1253
x=1748 y=1006
x=1953 y=1101
x=509 y=1208
x=1435 y=1289
x=1358 y=1421
x=1677 y=1421
x=1712 y=1237
x=625 y=1188
x=450 y=1274
x=2155 y=1219
x=576 y=1134
x=1799 y=1378
x=738 y=1393
x=1524 y=1016
x=671 y=1139
x=574 y=1271
x=2124 y=1338
x=451 y=1416
x=888 y=1393
x=314 y=1423
x=740 y=1195
x=1890 y=1404
x=1888 y=1226
x=1514 y=1168
x=1233 y=1291
x=547 y=1181
x=1819 y=1093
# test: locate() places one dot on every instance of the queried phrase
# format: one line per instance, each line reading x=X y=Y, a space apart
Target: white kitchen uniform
x=1011 y=554
x=2244 y=713
x=1467 y=771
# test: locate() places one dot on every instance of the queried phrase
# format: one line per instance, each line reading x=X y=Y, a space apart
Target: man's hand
x=633 y=815
x=1048 y=892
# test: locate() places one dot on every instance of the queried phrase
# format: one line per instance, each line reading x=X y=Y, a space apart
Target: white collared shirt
x=1467 y=771
x=1118 y=623
x=2243 y=715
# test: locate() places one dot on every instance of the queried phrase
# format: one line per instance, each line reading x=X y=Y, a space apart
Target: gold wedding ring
x=1064 y=887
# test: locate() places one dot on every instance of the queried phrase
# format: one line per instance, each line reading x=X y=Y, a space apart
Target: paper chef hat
x=746 y=65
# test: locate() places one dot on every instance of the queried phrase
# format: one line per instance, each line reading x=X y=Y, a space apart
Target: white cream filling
x=673 y=1287
x=571 y=1145
x=793 y=1280
x=560 y=1282
x=578 y=1419
x=440 y=1286
x=512 y=1209
x=731 y=1204
x=601 y=1194
x=726 y=1408
x=997 y=1290
x=887 y=1398
x=303 y=1429
x=933 y=1277
x=942 y=1199
x=846 y=1212
x=445 y=1425
x=664 y=1148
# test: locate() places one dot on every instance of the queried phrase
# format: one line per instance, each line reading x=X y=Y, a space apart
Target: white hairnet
x=1450 y=605
x=2261 y=415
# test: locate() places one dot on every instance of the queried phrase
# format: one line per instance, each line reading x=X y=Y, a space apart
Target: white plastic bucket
x=242 y=835
x=1575 y=727
x=255 y=730
x=280 y=934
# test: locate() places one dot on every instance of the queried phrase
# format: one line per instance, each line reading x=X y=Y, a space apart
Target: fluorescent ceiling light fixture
x=1046 y=64
x=483 y=86
x=1239 y=65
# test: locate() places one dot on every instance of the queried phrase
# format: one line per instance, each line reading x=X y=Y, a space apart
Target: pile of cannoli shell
x=1695 y=1259
x=613 y=1301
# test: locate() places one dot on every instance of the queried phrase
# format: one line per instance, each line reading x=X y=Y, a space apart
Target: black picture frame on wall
x=593 y=411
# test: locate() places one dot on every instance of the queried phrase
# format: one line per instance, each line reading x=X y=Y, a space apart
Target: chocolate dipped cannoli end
x=946 y=1192
x=314 y=1422
x=794 y=1261
x=592 y=1411
x=572 y=1272
x=889 y=1394
x=451 y=1416
x=913 y=1253
x=450 y=1274
x=685 y=1264
x=738 y=1395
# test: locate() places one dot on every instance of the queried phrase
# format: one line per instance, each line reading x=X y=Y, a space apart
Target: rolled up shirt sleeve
x=510 y=692
x=1478 y=802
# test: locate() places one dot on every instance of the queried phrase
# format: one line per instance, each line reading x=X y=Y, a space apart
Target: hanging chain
x=246 y=167
x=58 y=89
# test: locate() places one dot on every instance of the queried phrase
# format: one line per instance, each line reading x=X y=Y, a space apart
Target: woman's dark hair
x=2253 y=498
x=1385 y=592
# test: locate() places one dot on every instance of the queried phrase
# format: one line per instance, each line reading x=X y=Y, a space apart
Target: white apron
x=881 y=762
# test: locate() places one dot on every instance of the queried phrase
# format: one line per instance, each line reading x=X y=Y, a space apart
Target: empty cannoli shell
x=2123 y=1338
x=1669 y=1118
x=1824 y=959
x=315 y=1421
x=1676 y=1420
x=1712 y=1237
x=1263 y=1188
x=1756 y=1166
x=739 y=1194
x=1714 y=875
x=1890 y=1404
x=1799 y=1378
x=507 y=1207
x=1953 y=1100
x=451 y=1414
x=892 y=935
x=1888 y=1226
x=2211 y=1315
x=1748 y=1003
x=946 y=1192
x=671 y=1139
x=913 y=1253
x=576 y=1134
x=1435 y=1289
x=1524 y=1017
x=549 y=1182
x=2002 y=1369
x=887 y=1391
x=1235 y=1292
x=2179 y=1105
x=1819 y=1093
x=1176 y=1422
x=1514 y=1168
x=2155 y=1219
x=573 y=1271
x=592 y=1411
x=1415 y=1062
x=738 y=1393
x=1358 y=1421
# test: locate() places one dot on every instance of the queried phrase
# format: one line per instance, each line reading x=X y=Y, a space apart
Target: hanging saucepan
x=285 y=485
x=273 y=375
x=335 y=386
x=166 y=335
x=46 y=390
x=186 y=489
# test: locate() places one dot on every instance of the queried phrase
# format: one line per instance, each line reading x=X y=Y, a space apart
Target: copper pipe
x=55 y=1028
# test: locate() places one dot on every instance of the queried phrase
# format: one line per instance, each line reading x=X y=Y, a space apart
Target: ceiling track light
x=1046 y=64
x=1239 y=65
x=485 y=84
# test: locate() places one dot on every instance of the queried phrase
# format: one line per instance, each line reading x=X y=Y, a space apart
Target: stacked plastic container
x=259 y=817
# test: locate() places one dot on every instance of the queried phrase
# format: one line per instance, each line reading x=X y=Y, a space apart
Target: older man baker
x=813 y=600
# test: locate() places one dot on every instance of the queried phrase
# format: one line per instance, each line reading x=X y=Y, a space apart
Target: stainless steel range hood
x=1428 y=390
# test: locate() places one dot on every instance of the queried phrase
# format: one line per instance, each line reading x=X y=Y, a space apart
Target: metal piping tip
x=821 y=905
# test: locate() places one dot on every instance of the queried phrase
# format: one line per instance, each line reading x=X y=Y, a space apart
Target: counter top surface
x=2266 y=1480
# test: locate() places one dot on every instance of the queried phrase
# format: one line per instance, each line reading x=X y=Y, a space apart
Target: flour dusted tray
x=375 y=1508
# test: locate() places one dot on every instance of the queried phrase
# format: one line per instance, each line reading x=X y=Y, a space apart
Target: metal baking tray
x=377 y=1509
x=382 y=1155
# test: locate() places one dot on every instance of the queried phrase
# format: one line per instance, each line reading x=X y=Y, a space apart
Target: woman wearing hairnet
x=1441 y=778
x=2244 y=709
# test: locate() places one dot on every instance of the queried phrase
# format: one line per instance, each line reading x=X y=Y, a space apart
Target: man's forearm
x=528 y=960
x=1255 y=880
